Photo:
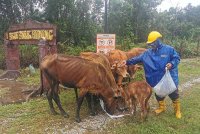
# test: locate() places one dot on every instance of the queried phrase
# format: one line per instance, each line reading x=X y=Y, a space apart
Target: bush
x=75 y=50
x=29 y=54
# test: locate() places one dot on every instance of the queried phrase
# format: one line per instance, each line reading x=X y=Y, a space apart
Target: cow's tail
x=42 y=83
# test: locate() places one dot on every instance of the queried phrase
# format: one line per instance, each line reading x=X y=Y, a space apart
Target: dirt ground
x=13 y=92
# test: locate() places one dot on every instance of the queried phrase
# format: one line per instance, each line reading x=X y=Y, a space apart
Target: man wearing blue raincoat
x=155 y=60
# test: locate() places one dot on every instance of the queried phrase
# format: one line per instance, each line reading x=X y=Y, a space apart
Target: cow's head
x=123 y=101
x=119 y=68
x=132 y=70
x=109 y=101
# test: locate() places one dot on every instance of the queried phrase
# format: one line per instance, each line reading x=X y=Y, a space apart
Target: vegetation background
x=79 y=21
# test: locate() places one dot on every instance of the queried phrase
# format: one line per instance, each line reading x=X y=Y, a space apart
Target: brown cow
x=102 y=59
x=76 y=72
x=116 y=57
x=119 y=70
x=132 y=70
x=96 y=57
x=137 y=92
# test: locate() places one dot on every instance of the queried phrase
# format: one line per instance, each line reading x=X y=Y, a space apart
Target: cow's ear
x=138 y=67
x=113 y=66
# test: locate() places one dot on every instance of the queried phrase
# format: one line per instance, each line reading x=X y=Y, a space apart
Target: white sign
x=105 y=43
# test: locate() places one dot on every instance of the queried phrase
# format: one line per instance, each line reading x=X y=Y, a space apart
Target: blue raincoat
x=154 y=62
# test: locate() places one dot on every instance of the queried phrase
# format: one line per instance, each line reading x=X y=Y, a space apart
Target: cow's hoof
x=54 y=112
x=93 y=113
x=78 y=120
x=65 y=115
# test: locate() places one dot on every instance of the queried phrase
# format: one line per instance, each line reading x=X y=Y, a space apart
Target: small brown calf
x=137 y=92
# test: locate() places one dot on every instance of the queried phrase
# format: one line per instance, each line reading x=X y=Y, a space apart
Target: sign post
x=30 y=32
x=105 y=43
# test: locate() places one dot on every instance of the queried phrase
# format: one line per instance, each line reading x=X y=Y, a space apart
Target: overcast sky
x=166 y=4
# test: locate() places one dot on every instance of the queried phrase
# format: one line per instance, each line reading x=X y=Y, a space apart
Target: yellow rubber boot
x=177 y=108
x=161 y=108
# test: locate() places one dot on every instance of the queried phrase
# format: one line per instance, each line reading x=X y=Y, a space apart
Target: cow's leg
x=57 y=100
x=76 y=93
x=148 y=107
x=49 y=97
x=130 y=105
x=143 y=110
x=79 y=102
x=90 y=100
x=62 y=111
x=50 y=92
x=134 y=103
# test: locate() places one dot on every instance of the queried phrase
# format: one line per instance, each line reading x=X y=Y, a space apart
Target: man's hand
x=169 y=66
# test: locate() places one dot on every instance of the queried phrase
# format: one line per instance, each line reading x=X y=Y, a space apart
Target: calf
x=137 y=92
x=132 y=69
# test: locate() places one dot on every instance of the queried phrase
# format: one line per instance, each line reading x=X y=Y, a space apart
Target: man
x=155 y=60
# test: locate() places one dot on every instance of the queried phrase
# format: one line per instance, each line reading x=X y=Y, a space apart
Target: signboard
x=105 y=43
x=30 y=35
x=30 y=32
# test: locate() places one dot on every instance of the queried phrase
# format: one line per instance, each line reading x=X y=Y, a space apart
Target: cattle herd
x=95 y=74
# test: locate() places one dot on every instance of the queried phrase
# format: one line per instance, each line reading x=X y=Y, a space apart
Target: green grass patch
x=35 y=117
x=4 y=91
x=29 y=78
x=189 y=69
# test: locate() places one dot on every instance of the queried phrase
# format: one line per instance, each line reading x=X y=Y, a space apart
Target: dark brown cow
x=76 y=72
x=138 y=92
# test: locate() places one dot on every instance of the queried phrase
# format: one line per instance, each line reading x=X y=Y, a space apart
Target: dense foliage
x=79 y=21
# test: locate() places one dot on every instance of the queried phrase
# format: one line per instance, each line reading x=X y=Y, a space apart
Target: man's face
x=153 y=45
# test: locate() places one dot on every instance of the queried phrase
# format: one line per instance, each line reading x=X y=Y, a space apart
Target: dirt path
x=12 y=92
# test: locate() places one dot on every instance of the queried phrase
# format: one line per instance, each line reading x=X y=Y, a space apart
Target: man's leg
x=176 y=102
x=162 y=105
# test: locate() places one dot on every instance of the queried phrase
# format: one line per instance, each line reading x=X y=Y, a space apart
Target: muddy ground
x=12 y=91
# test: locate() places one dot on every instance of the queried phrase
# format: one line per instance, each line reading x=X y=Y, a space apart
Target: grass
x=188 y=69
x=34 y=116
x=4 y=91
x=29 y=78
